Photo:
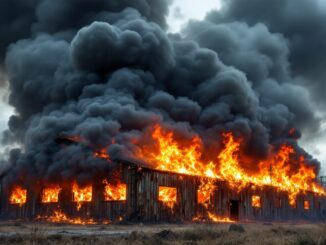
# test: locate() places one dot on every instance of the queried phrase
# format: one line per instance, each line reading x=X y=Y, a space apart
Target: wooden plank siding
x=142 y=202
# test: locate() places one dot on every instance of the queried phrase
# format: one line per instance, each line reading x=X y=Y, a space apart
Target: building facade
x=142 y=202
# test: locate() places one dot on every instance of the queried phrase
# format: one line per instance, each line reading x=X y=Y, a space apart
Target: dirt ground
x=249 y=233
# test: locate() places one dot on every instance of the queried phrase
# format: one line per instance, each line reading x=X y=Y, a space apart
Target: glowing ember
x=81 y=195
x=51 y=194
x=18 y=196
x=213 y=218
x=173 y=154
x=167 y=195
x=306 y=205
x=116 y=192
x=219 y=219
x=206 y=188
x=102 y=154
x=256 y=201
x=60 y=217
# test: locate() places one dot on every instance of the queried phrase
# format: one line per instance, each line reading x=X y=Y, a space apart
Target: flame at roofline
x=166 y=152
x=169 y=154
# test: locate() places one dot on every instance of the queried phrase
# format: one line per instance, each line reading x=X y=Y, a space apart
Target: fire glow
x=51 y=194
x=256 y=201
x=219 y=219
x=116 y=192
x=167 y=195
x=306 y=205
x=169 y=153
x=18 y=196
x=102 y=154
x=81 y=195
x=205 y=190
x=174 y=155
x=213 y=218
x=60 y=217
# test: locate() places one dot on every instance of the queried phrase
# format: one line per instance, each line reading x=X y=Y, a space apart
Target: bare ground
x=254 y=233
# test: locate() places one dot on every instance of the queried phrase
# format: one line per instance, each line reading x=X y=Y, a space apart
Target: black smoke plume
x=106 y=71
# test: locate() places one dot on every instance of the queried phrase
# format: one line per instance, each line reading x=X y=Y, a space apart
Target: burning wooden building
x=180 y=188
x=143 y=194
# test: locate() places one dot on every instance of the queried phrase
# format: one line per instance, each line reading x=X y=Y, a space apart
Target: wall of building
x=142 y=202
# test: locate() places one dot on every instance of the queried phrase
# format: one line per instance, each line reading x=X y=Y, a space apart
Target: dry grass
x=26 y=234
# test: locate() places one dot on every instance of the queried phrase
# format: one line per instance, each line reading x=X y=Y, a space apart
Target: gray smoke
x=300 y=22
x=107 y=71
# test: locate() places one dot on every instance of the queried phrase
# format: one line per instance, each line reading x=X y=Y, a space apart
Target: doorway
x=234 y=209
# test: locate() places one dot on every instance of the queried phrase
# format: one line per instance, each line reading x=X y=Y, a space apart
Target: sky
x=181 y=11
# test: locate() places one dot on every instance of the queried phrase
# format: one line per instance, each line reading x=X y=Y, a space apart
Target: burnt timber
x=142 y=203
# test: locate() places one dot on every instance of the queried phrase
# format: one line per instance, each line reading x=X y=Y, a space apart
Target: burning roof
x=285 y=169
x=161 y=149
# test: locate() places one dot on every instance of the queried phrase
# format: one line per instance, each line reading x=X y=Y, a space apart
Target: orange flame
x=306 y=205
x=102 y=154
x=18 y=196
x=216 y=218
x=51 y=194
x=81 y=195
x=213 y=218
x=169 y=153
x=60 y=217
x=275 y=172
x=116 y=192
x=256 y=201
x=205 y=190
x=175 y=157
x=167 y=195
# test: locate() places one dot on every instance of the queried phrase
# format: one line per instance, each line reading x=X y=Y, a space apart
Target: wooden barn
x=142 y=201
